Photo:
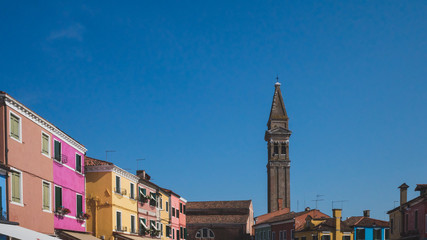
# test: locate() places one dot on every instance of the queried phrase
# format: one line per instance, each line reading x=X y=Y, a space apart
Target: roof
x=218 y=204
x=420 y=187
x=408 y=203
x=170 y=192
x=212 y=219
x=404 y=186
x=365 y=222
x=290 y=216
x=278 y=111
x=328 y=225
x=76 y=235
x=95 y=162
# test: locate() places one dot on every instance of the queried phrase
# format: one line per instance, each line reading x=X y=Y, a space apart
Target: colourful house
x=174 y=208
x=366 y=228
x=182 y=218
x=27 y=148
x=148 y=214
x=325 y=228
x=163 y=206
x=112 y=200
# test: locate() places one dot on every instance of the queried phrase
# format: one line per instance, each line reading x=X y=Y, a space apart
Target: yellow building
x=164 y=206
x=111 y=200
x=325 y=228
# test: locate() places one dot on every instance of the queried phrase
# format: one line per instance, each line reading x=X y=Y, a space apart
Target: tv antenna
x=318 y=199
x=339 y=201
x=137 y=160
x=106 y=153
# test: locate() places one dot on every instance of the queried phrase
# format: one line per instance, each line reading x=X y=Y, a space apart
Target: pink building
x=148 y=213
x=178 y=216
x=182 y=218
x=69 y=185
x=28 y=146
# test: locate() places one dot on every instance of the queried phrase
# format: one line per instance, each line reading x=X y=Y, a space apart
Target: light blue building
x=366 y=228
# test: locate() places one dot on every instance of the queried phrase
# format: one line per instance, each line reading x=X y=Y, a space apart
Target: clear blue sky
x=188 y=85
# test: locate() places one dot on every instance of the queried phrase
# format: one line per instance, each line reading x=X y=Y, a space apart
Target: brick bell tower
x=277 y=137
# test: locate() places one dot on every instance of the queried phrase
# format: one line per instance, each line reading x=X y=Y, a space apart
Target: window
x=45 y=144
x=346 y=237
x=180 y=207
x=325 y=237
x=142 y=224
x=16 y=187
x=177 y=234
x=142 y=193
x=185 y=233
x=132 y=190
x=167 y=206
x=268 y=234
x=276 y=148
x=117 y=184
x=58 y=151
x=205 y=233
x=15 y=127
x=314 y=237
x=181 y=232
x=391 y=225
x=58 y=198
x=387 y=234
x=118 y=221
x=292 y=234
x=285 y=235
x=406 y=223
x=46 y=195
x=377 y=234
x=79 y=201
x=173 y=233
x=168 y=231
x=283 y=150
x=132 y=224
x=416 y=220
x=78 y=163
x=153 y=199
x=360 y=234
x=185 y=210
x=173 y=212
x=177 y=213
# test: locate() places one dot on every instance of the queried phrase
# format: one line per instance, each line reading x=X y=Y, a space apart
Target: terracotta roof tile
x=212 y=219
x=365 y=222
x=219 y=204
x=95 y=162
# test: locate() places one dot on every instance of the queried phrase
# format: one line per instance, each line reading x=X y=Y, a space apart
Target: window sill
x=14 y=138
x=46 y=155
x=47 y=211
x=16 y=203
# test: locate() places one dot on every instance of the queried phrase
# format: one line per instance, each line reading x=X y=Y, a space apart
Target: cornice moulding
x=20 y=108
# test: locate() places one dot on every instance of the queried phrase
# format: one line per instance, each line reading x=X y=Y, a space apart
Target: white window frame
x=83 y=209
x=20 y=126
x=50 y=197
x=285 y=235
x=61 y=162
x=75 y=162
x=21 y=197
x=48 y=147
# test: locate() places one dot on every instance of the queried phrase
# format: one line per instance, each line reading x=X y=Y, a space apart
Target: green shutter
x=46 y=200
x=14 y=126
x=58 y=198
x=79 y=204
x=45 y=144
x=78 y=163
x=57 y=150
x=16 y=187
x=185 y=233
x=144 y=191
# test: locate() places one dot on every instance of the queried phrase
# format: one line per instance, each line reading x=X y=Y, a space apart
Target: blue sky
x=188 y=85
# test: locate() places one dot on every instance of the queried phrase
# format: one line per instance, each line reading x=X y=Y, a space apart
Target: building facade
x=409 y=219
x=148 y=211
x=165 y=214
x=366 y=228
x=278 y=166
x=112 y=200
x=231 y=220
x=27 y=148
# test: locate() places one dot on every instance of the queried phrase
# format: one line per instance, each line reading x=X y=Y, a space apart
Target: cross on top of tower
x=277 y=81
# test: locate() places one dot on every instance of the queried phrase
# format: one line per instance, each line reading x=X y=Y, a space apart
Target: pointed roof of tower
x=278 y=111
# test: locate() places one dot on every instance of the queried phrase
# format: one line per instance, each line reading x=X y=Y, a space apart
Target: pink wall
x=182 y=217
x=146 y=206
x=175 y=220
x=72 y=183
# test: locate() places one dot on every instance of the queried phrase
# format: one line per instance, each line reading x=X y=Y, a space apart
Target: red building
x=409 y=220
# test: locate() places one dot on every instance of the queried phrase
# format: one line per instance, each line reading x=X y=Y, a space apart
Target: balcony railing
x=121 y=229
x=120 y=191
x=62 y=158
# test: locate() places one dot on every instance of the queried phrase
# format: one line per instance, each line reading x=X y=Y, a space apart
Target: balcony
x=120 y=191
x=120 y=229
x=61 y=158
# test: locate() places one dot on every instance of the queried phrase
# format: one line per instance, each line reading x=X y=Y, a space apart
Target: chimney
x=367 y=213
x=336 y=213
x=307 y=209
x=422 y=188
x=141 y=173
x=403 y=193
x=280 y=203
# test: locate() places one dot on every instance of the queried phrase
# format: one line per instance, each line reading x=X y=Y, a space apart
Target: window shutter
x=78 y=163
x=46 y=199
x=45 y=144
x=14 y=122
x=58 y=197
x=79 y=204
x=16 y=187
x=57 y=150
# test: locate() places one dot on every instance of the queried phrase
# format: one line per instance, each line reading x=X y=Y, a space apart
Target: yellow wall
x=100 y=189
x=164 y=213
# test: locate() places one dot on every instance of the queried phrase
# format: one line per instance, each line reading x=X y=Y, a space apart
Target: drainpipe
x=5 y=157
